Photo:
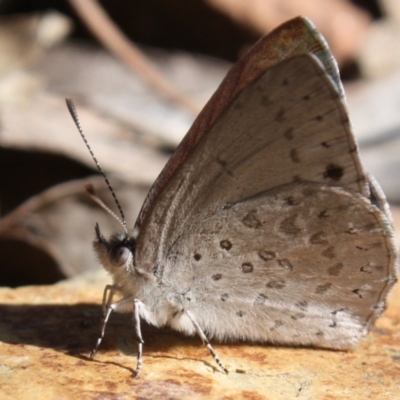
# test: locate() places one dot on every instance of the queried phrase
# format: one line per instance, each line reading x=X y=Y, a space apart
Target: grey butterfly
x=263 y=226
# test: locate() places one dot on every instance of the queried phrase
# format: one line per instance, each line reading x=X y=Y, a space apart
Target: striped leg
x=110 y=308
x=136 y=317
x=108 y=294
x=205 y=341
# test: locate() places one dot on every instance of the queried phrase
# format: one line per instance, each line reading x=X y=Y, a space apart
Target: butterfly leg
x=109 y=292
x=136 y=317
x=110 y=308
x=205 y=341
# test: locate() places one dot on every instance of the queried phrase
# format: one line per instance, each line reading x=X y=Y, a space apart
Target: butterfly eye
x=119 y=255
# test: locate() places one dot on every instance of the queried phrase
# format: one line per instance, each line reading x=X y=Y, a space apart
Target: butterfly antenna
x=90 y=188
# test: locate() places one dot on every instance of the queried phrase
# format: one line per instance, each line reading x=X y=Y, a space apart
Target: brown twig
x=117 y=43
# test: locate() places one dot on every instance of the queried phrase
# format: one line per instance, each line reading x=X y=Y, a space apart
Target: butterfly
x=263 y=226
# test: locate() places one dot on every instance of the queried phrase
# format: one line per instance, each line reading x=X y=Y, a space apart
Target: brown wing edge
x=295 y=37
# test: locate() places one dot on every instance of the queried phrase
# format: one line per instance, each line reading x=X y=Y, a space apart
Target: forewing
x=290 y=125
x=295 y=37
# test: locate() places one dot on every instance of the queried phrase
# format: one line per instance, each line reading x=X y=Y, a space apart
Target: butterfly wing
x=288 y=126
x=267 y=230
x=302 y=264
x=295 y=37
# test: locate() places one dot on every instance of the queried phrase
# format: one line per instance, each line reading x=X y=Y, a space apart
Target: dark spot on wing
x=278 y=324
x=357 y=292
x=319 y=238
x=288 y=226
x=266 y=255
x=323 y=288
x=333 y=172
x=302 y=305
x=297 y=316
x=216 y=277
x=329 y=252
x=247 y=267
x=225 y=244
x=335 y=269
x=291 y=201
x=285 y=263
x=366 y=269
x=224 y=164
x=251 y=220
x=276 y=284
x=260 y=299
x=323 y=214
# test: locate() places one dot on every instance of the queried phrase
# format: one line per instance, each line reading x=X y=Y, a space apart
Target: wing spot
x=323 y=288
x=357 y=292
x=289 y=227
x=266 y=255
x=333 y=172
x=297 y=316
x=335 y=269
x=276 y=284
x=247 y=267
x=290 y=201
x=216 y=277
x=240 y=313
x=323 y=214
x=251 y=220
x=224 y=164
x=329 y=252
x=319 y=238
x=197 y=256
x=278 y=324
x=325 y=144
x=225 y=244
x=224 y=296
x=260 y=299
x=285 y=263
x=302 y=305
x=319 y=118
x=366 y=269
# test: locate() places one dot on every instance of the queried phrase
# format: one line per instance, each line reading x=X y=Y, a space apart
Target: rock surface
x=47 y=332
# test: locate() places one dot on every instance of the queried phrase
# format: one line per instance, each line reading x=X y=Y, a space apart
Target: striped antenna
x=74 y=115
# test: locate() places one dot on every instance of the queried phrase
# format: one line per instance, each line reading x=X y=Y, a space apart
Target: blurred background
x=139 y=72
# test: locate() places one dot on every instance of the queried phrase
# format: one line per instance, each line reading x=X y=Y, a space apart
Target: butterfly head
x=115 y=253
